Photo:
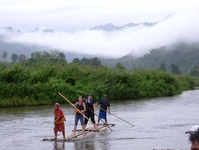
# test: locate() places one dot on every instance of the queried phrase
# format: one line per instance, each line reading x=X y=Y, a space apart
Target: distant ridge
x=110 y=27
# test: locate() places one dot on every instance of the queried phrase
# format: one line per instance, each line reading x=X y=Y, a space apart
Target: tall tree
x=22 y=58
x=174 y=69
x=195 y=70
x=120 y=67
x=95 y=61
x=52 y=56
x=4 y=55
x=76 y=61
x=14 y=57
x=163 y=66
x=58 y=56
x=85 y=61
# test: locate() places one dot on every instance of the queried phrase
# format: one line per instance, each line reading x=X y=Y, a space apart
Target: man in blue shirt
x=104 y=106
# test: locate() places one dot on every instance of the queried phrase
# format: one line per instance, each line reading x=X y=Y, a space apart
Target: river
x=160 y=123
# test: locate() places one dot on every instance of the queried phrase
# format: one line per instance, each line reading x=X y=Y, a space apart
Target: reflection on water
x=59 y=145
x=84 y=145
x=160 y=123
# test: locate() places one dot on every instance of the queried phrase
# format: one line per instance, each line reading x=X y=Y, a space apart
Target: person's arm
x=74 y=105
x=94 y=108
x=84 y=107
x=56 y=119
x=109 y=110
x=96 y=104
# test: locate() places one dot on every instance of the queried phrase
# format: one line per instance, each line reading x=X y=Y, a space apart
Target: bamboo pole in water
x=119 y=118
x=98 y=117
x=81 y=113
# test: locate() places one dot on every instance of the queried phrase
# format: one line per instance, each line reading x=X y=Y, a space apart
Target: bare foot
x=54 y=139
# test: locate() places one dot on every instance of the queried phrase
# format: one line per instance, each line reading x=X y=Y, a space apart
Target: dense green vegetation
x=182 y=55
x=37 y=82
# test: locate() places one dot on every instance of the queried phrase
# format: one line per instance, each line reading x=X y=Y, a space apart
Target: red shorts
x=59 y=127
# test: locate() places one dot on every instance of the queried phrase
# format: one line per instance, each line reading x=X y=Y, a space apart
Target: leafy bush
x=26 y=85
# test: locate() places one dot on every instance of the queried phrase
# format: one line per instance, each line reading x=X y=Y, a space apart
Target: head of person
x=80 y=98
x=89 y=96
x=194 y=139
x=56 y=106
x=192 y=129
x=105 y=97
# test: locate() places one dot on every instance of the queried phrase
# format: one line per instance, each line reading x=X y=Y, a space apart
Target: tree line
x=37 y=80
x=52 y=56
x=56 y=55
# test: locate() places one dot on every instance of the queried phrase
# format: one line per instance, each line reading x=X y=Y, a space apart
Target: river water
x=160 y=123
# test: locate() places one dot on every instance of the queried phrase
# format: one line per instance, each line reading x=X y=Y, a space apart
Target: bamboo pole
x=98 y=117
x=81 y=113
x=119 y=118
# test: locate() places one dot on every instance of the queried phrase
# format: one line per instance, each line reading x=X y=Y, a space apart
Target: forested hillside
x=185 y=56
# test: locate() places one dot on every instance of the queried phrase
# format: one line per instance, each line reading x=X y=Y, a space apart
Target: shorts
x=79 y=117
x=59 y=127
x=102 y=115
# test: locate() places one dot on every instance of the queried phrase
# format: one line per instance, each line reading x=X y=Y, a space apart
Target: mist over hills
x=110 y=27
x=27 y=49
x=141 y=45
x=184 y=55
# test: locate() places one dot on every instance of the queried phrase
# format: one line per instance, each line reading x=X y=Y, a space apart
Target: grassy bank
x=28 y=85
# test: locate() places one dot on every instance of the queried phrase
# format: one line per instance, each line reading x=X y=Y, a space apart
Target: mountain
x=110 y=27
x=184 y=55
x=27 y=50
x=127 y=61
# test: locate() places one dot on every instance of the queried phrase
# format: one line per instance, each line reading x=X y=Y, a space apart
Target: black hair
x=194 y=137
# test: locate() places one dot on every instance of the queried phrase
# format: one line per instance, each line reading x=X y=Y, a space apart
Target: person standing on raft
x=80 y=109
x=58 y=120
x=104 y=105
x=90 y=110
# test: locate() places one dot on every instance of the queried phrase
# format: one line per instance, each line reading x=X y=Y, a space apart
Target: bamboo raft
x=169 y=149
x=78 y=135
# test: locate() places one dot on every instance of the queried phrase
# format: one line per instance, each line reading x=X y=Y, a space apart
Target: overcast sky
x=83 y=14
x=65 y=16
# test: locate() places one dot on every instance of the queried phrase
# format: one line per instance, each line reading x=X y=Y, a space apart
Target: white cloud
x=70 y=15
x=182 y=26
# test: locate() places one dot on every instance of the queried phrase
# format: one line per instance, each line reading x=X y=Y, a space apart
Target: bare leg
x=83 y=128
x=75 y=127
x=98 y=121
x=55 y=134
x=63 y=133
x=106 y=121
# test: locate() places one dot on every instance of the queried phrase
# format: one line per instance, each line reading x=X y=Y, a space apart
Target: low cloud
x=136 y=40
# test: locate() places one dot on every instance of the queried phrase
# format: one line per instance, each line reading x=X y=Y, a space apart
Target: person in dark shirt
x=104 y=107
x=90 y=110
x=79 y=111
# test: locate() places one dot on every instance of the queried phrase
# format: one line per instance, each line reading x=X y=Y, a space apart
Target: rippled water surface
x=160 y=123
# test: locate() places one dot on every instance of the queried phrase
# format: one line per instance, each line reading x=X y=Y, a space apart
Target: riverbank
x=32 y=85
